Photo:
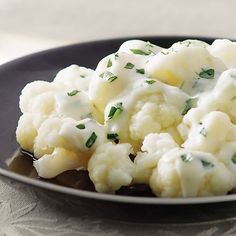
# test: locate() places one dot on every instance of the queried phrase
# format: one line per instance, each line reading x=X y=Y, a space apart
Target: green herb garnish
x=113 y=136
x=186 y=157
x=140 y=52
x=190 y=103
x=116 y=56
x=140 y=71
x=233 y=158
x=129 y=65
x=151 y=81
x=203 y=132
x=207 y=74
x=109 y=63
x=80 y=126
x=82 y=76
x=207 y=163
x=108 y=76
x=115 y=111
x=91 y=140
x=72 y=93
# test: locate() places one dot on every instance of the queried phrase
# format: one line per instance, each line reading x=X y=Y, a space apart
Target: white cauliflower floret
x=227 y=155
x=74 y=77
x=223 y=96
x=154 y=146
x=69 y=134
x=77 y=106
x=56 y=138
x=185 y=173
x=225 y=50
x=32 y=90
x=109 y=82
x=60 y=160
x=153 y=114
x=139 y=47
x=110 y=167
x=27 y=130
x=185 y=66
x=204 y=134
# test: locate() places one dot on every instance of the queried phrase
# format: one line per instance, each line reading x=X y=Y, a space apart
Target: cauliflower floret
x=154 y=146
x=74 y=77
x=185 y=66
x=116 y=73
x=223 y=96
x=109 y=82
x=139 y=47
x=69 y=134
x=27 y=130
x=60 y=160
x=225 y=50
x=32 y=90
x=77 y=106
x=185 y=173
x=153 y=114
x=227 y=155
x=155 y=100
x=110 y=167
x=204 y=135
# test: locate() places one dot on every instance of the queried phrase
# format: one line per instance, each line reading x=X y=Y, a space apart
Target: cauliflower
x=27 y=130
x=110 y=167
x=223 y=96
x=174 y=109
x=185 y=66
x=185 y=173
x=60 y=160
x=117 y=73
x=74 y=77
x=204 y=135
x=227 y=155
x=225 y=50
x=153 y=114
x=154 y=146
x=150 y=108
x=71 y=135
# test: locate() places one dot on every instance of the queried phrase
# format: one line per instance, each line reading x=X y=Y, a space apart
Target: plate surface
x=44 y=66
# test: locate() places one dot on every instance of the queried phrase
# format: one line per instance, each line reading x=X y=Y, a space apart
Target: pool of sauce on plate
x=22 y=163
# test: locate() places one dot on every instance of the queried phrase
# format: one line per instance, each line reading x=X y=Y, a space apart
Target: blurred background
x=28 y=26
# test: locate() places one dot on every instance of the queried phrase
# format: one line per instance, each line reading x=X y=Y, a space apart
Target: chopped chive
x=203 y=132
x=140 y=52
x=82 y=76
x=114 y=137
x=91 y=140
x=72 y=93
x=207 y=74
x=151 y=81
x=108 y=76
x=140 y=71
x=186 y=157
x=115 y=111
x=129 y=65
x=207 y=163
x=233 y=158
x=80 y=126
x=109 y=63
x=116 y=56
x=190 y=103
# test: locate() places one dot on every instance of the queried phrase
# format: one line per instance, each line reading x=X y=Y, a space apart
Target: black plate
x=44 y=66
